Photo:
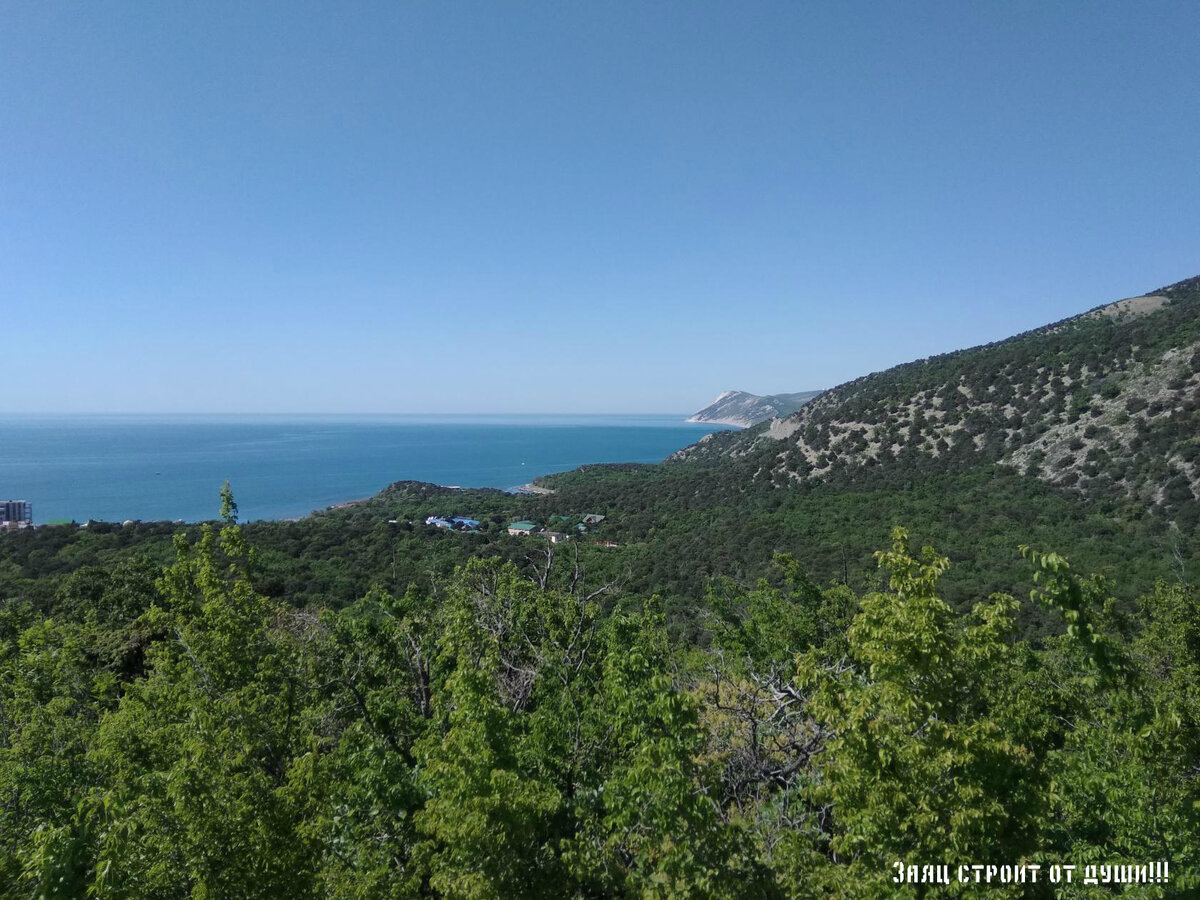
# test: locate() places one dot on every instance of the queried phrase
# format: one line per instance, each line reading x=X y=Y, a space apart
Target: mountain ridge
x=1104 y=403
x=744 y=409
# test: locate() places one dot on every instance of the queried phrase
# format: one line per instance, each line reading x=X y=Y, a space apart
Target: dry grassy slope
x=1105 y=402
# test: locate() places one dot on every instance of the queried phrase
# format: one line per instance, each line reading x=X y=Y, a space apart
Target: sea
x=171 y=467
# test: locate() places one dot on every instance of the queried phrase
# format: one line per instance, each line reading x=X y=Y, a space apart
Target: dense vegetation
x=676 y=527
x=1082 y=435
x=1107 y=403
x=722 y=688
x=533 y=732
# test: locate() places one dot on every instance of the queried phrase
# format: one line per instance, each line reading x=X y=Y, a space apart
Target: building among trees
x=16 y=514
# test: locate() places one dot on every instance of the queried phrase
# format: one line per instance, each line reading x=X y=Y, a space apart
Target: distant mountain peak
x=745 y=409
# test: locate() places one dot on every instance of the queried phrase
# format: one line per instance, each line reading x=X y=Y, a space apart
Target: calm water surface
x=170 y=467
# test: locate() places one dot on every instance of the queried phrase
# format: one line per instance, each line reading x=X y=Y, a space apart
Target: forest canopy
x=533 y=729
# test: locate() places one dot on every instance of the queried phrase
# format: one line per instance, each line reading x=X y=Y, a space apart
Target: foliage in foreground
x=528 y=733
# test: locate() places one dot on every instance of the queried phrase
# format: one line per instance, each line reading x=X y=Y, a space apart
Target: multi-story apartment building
x=16 y=513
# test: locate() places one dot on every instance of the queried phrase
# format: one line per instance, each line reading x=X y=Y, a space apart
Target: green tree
x=654 y=827
x=931 y=757
x=488 y=820
x=205 y=764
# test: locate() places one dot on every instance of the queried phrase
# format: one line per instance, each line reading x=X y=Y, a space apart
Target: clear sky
x=569 y=207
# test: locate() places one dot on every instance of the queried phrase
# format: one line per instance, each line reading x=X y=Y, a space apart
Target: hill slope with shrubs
x=1105 y=404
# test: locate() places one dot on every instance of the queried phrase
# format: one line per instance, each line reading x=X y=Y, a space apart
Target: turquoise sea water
x=171 y=467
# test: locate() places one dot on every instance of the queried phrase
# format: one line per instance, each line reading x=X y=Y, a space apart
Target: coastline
x=532 y=488
x=166 y=468
x=345 y=504
x=736 y=423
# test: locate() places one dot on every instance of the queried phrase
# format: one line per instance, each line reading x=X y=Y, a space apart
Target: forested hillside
x=715 y=685
x=1079 y=436
x=534 y=732
x=1106 y=404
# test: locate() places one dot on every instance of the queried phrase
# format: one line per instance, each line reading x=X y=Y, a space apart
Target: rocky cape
x=744 y=410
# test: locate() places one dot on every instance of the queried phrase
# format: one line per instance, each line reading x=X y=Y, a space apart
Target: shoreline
x=736 y=423
x=345 y=504
x=285 y=469
x=532 y=488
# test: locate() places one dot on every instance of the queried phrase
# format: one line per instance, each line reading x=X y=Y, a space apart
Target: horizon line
x=322 y=413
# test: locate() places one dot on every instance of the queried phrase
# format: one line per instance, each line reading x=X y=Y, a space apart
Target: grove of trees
x=533 y=729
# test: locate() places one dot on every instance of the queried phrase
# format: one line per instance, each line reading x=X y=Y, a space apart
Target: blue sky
x=567 y=207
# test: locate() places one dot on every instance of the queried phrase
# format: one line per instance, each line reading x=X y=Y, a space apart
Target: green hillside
x=1105 y=403
x=1081 y=435
x=738 y=678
